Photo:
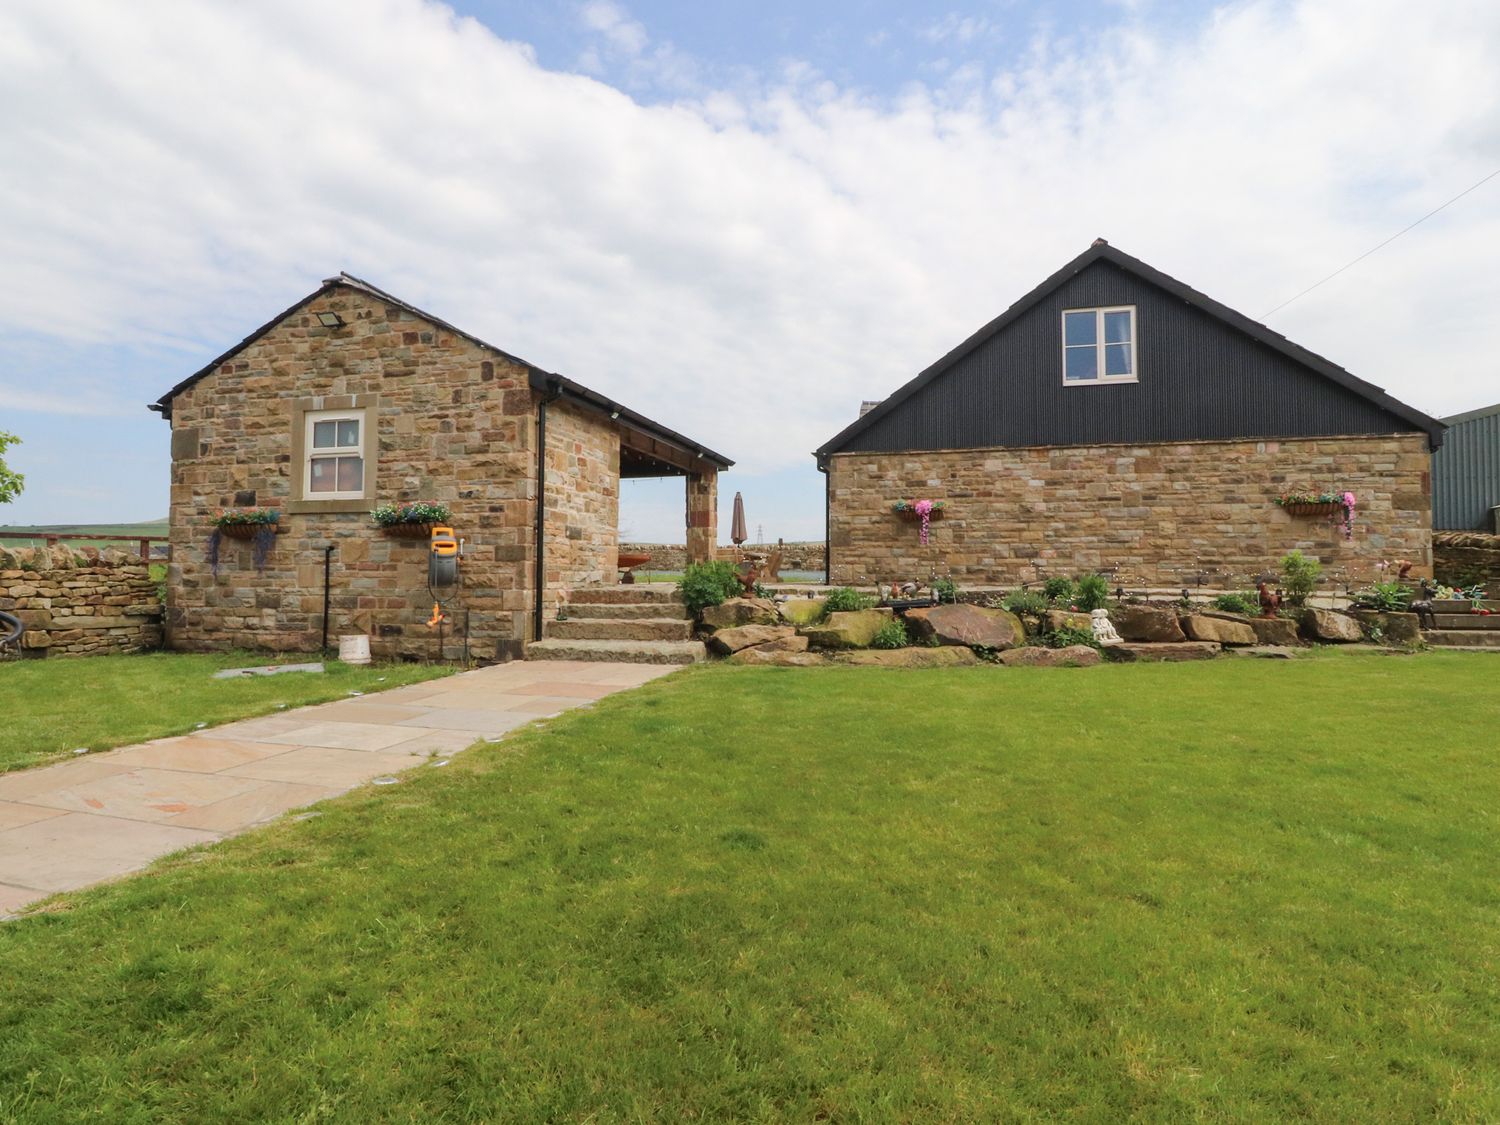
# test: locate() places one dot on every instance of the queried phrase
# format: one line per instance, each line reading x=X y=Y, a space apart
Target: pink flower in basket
x=923 y=508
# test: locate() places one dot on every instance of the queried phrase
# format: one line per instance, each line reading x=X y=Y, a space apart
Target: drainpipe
x=327 y=568
x=554 y=392
x=827 y=524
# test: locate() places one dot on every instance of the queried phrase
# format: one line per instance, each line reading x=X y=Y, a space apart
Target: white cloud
x=745 y=266
x=91 y=405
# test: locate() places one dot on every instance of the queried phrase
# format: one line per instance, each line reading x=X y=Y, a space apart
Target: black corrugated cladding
x=1199 y=379
x=1466 y=472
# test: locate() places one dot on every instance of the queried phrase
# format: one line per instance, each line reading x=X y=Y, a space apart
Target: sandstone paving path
x=98 y=817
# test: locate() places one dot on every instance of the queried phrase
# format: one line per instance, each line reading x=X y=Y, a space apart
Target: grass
x=52 y=707
x=1240 y=890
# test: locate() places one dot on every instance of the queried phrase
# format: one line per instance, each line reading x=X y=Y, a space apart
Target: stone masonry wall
x=583 y=500
x=80 y=602
x=453 y=422
x=1463 y=557
x=1155 y=513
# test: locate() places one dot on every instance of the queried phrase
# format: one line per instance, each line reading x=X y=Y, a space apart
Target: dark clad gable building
x=1116 y=419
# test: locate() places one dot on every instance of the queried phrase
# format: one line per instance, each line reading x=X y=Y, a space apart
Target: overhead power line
x=1387 y=242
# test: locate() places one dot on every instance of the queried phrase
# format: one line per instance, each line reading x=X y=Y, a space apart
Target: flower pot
x=408 y=530
x=246 y=530
x=1328 y=509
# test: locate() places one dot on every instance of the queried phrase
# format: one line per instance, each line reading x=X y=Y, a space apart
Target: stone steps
x=1467 y=621
x=627 y=652
x=659 y=593
x=621 y=629
x=1463 y=638
x=633 y=624
x=626 y=611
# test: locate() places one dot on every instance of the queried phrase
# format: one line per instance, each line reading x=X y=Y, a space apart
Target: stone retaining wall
x=1462 y=557
x=80 y=602
x=1153 y=514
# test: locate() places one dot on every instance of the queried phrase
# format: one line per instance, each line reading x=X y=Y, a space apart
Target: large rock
x=1148 y=624
x=767 y=657
x=1281 y=631
x=1396 y=628
x=36 y=639
x=913 y=657
x=971 y=626
x=1330 y=627
x=726 y=642
x=802 y=611
x=1071 y=656
x=1199 y=627
x=740 y=611
x=1055 y=619
x=1166 y=650
x=853 y=629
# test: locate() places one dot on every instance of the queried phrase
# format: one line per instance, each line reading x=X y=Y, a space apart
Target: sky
x=739 y=219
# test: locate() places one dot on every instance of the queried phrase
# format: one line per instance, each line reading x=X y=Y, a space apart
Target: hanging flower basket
x=260 y=526
x=246 y=531
x=1312 y=509
x=923 y=511
x=412 y=520
x=413 y=530
x=1337 y=506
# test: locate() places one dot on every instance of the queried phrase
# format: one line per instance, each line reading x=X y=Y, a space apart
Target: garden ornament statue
x=1270 y=601
x=1104 y=628
x=1422 y=607
x=748 y=579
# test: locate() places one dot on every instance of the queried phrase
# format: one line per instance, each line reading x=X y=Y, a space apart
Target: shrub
x=1091 y=592
x=1058 y=589
x=1388 y=597
x=706 y=584
x=1299 y=576
x=845 y=599
x=1067 y=635
x=1027 y=602
x=945 y=590
x=1246 y=604
x=890 y=635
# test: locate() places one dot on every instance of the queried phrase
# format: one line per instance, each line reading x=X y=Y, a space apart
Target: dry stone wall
x=673 y=556
x=1460 y=558
x=1153 y=513
x=80 y=602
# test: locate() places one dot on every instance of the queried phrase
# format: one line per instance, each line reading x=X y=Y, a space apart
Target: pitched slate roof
x=1103 y=251
x=541 y=380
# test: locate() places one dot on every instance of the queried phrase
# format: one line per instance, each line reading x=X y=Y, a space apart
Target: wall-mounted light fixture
x=330 y=320
x=614 y=414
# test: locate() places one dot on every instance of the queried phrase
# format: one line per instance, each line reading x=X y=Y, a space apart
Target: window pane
x=351 y=474
x=1079 y=328
x=1116 y=327
x=1082 y=363
x=348 y=433
x=1117 y=359
x=323 y=434
x=323 y=475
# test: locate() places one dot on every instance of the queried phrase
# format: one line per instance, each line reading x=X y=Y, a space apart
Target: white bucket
x=355 y=649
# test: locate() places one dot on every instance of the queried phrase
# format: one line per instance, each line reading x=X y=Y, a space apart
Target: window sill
x=1115 y=381
x=308 y=507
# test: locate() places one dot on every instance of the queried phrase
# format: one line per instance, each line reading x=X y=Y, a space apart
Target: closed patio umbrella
x=737 y=526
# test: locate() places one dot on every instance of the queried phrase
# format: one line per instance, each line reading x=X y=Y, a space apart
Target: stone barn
x=352 y=399
x=1116 y=420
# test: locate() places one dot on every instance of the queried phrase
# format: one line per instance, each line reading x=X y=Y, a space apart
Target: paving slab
x=105 y=815
x=72 y=851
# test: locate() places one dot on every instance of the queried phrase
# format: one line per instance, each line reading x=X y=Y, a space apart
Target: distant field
x=89 y=534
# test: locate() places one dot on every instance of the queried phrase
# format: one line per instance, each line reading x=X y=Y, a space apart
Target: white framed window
x=335 y=451
x=1099 y=346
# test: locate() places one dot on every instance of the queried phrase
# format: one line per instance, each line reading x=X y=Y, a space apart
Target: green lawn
x=52 y=707
x=1240 y=890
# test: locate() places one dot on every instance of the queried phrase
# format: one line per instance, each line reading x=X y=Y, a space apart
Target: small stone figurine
x=1270 y=601
x=1422 y=606
x=1104 y=628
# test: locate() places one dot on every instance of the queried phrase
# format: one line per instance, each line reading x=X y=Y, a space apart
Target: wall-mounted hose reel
x=442 y=570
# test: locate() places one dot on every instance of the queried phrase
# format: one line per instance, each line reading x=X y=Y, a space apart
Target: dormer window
x=1099 y=345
